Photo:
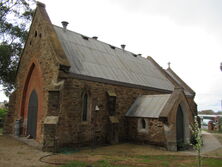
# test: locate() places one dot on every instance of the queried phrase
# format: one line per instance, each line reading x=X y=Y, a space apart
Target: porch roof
x=148 y=106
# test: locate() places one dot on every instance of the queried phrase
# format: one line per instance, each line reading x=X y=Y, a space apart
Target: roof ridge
x=185 y=84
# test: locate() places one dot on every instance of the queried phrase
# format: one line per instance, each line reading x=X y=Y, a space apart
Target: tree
x=15 y=20
x=207 y=112
x=197 y=139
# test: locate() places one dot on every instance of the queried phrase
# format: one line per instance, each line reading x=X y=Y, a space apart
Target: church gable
x=38 y=69
x=42 y=43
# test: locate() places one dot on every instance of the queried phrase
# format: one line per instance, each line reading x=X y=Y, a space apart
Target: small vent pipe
x=64 y=25
x=123 y=46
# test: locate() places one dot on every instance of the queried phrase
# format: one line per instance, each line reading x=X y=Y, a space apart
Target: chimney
x=64 y=24
x=95 y=37
x=123 y=46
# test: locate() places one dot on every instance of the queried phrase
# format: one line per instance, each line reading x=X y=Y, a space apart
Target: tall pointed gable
x=61 y=57
x=39 y=66
x=41 y=31
x=176 y=98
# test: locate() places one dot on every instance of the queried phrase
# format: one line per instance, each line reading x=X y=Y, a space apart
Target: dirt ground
x=15 y=153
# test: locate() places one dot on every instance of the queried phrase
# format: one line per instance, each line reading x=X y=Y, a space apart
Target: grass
x=1 y=129
x=131 y=155
x=212 y=162
x=158 y=161
x=146 y=160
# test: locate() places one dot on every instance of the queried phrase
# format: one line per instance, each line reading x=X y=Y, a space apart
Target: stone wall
x=153 y=134
x=72 y=130
x=193 y=105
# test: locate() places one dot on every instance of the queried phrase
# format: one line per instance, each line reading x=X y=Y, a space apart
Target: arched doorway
x=32 y=114
x=180 y=128
x=32 y=102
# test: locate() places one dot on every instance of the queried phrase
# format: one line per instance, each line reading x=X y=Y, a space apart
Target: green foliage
x=196 y=139
x=3 y=112
x=208 y=112
x=15 y=19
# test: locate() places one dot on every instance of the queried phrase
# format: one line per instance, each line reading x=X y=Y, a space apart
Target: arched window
x=143 y=123
x=85 y=107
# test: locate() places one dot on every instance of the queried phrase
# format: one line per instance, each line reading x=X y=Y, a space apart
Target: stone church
x=74 y=90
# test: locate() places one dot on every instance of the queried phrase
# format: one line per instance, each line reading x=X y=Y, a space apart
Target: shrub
x=3 y=113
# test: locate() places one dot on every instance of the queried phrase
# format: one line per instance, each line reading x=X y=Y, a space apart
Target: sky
x=186 y=33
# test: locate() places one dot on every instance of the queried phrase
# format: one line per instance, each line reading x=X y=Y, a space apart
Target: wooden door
x=32 y=114
x=180 y=128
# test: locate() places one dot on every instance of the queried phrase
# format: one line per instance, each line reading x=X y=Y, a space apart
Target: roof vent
x=134 y=55
x=113 y=47
x=85 y=37
x=95 y=37
x=64 y=24
x=123 y=46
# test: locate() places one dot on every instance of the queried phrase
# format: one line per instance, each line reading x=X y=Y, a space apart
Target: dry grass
x=130 y=155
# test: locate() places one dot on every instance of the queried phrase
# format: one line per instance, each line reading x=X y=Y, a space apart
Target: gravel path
x=210 y=143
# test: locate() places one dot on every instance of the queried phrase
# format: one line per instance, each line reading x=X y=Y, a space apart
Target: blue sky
x=187 y=33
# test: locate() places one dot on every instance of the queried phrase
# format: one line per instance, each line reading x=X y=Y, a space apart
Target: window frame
x=86 y=109
x=143 y=125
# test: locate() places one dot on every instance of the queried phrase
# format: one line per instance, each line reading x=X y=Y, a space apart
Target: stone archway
x=182 y=126
x=32 y=102
x=32 y=114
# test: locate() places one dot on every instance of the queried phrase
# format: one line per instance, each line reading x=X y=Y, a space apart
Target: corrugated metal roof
x=148 y=106
x=97 y=59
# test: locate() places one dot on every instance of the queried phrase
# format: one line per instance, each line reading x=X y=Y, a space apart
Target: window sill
x=143 y=131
